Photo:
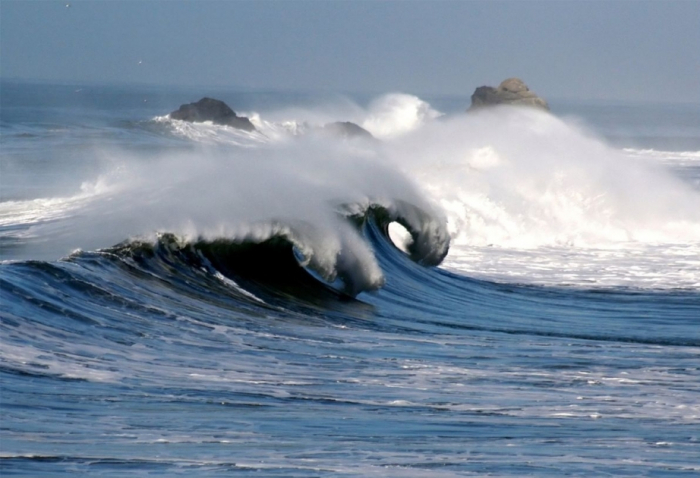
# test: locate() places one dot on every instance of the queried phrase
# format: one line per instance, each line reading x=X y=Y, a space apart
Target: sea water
x=506 y=292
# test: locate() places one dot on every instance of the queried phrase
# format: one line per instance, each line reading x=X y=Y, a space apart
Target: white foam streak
x=673 y=158
x=208 y=132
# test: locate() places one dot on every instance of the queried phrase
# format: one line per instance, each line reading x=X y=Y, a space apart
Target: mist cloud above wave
x=525 y=178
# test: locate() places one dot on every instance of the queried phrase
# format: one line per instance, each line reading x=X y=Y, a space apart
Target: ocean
x=505 y=292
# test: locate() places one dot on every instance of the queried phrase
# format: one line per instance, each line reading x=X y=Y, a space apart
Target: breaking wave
x=520 y=194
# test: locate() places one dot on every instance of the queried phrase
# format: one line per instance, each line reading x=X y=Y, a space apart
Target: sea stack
x=347 y=130
x=512 y=91
x=216 y=111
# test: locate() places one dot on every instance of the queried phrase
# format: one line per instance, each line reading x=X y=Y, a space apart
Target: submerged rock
x=347 y=130
x=510 y=92
x=216 y=111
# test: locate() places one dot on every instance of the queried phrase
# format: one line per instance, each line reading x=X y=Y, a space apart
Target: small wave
x=30 y=211
x=672 y=157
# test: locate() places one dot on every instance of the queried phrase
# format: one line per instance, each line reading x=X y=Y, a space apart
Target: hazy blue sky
x=627 y=50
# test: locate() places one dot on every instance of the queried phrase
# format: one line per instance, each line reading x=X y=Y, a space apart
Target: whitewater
x=502 y=292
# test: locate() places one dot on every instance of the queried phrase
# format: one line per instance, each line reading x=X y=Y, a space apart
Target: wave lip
x=301 y=257
x=429 y=240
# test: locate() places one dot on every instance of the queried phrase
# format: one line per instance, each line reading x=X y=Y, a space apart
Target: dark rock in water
x=347 y=130
x=216 y=111
x=511 y=92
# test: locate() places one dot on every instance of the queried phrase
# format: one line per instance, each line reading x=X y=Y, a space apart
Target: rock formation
x=347 y=130
x=511 y=92
x=216 y=111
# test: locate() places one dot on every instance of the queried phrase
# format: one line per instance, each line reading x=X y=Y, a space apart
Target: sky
x=631 y=50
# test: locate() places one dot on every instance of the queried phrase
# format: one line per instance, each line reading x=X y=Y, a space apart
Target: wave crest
x=277 y=253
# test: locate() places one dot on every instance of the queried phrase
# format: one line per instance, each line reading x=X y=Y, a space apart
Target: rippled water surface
x=145 y=335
